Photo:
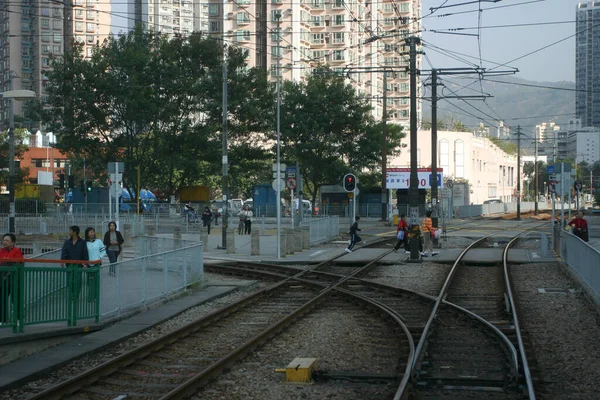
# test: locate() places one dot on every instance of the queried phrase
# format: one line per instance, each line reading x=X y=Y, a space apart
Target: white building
x=490 y=171
x=582 y=143
x=163 y=16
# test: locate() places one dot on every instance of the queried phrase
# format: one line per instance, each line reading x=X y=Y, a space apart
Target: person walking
x=580 y=227
x=75 y=249
x=207 y=218
x=428 y=230
x=113 y=240
x=96 y=252
x=354 y=238
x=402 y=231
x=246 y=214
x=8 y=251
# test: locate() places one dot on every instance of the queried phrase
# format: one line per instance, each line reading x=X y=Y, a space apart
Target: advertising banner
x=399 y=178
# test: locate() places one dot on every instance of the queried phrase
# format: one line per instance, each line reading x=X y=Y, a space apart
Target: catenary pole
x=278 y=127
x=225 y=183
x=413 y=193
x=434 y=182
x=519 y=173
x=535 y=176
x=384 y=192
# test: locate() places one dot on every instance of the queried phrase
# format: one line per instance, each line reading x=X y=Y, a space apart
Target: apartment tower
x=587 y=64
x=32 y=33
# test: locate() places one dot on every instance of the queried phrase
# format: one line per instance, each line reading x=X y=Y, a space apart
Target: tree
x=328 y=128
x=156 y=103
x=20 y=148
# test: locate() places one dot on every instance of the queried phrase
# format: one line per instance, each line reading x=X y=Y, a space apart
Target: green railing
x=48 y=294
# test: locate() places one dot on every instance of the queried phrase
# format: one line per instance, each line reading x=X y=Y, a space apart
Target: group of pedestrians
x=424 y=234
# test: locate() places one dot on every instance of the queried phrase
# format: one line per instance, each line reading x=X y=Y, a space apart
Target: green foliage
x=508 y=147
x=20 y=148
x=328 y=128
x=156 y=103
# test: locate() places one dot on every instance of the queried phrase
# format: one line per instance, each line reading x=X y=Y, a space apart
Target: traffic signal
x=71 y=181
x=89 y=186
x=61 y=181
x=349 y=182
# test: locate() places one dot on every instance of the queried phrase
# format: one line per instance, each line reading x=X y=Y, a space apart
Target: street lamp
x=13 y=95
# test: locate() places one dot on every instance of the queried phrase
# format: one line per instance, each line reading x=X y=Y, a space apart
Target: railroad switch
x=299 y=370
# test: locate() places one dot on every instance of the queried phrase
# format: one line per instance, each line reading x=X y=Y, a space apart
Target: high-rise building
x=172 y=16
x=32 y=33
x=587 y=64
x=339 y=33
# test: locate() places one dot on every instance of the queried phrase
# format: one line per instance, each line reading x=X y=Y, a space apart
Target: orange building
x=41 y=157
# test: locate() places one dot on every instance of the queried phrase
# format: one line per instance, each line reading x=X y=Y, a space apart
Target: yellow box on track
x=300 y=370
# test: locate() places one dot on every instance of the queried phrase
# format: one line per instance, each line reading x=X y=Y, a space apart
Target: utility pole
x=434 y=182
x=384 y=192
x=535 y=174
x=278 y=128
x=519 y=172
x=413 y=193
x=225 y=187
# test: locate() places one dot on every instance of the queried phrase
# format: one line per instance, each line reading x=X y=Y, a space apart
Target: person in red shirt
x=580 y=227
x=7 y=251
x=402 y=226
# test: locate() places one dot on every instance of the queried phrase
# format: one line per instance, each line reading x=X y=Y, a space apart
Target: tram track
x=409 y=311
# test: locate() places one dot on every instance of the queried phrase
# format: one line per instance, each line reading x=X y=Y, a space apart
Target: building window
x=338 y=55
x=56 y=49
x=243 y=36
x=90 y=27
x=90 y=14
x=45 y=22
x=57 y=24
x=317 y=20
x=78 y=13
x=338 y=37
x=318 y=38
x=45 y=12
x=25 y=51
x=214 y=10
x=89 y=51
x=89 y=39
x=79 y=39
x=445 y=156
x=459 y=159
x=215 y=26
x=274 y=34
x=276 y=51
x=338 y=20
x=45 y=62
x=57 y=38
x=274 y=70
x=78 y=26
x=57 y=12
x=243 y=18
x=45 y=48
x=45 y=37
x=338 y=4
x=274 y=14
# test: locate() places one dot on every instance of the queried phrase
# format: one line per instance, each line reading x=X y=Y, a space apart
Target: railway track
x=179 y=364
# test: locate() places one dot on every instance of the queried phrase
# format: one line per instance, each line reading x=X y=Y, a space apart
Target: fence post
x=255 y=243
x=306 y=237
x=20 y=306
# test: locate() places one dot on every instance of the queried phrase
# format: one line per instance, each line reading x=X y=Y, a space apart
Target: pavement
x=102 y=335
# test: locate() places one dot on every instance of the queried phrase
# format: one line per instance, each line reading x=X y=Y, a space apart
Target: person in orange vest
x=428 y=230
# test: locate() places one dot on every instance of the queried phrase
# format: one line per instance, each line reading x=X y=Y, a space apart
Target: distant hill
x=509 y=101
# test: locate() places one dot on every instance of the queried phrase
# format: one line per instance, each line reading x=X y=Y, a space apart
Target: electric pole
x=535 y=174
x=519 y=172
x=384 y=192
x=225 y=187
x=434 y=182
x=413 y=192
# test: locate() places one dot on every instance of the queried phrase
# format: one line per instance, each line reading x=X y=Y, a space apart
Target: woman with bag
x=402 y=234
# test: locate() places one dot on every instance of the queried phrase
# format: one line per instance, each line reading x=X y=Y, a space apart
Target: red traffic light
x=349 y=183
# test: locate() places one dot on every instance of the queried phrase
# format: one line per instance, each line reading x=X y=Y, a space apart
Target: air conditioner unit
x=290 y=47
x=290 y=29
x=289 y=11
x=229 y=15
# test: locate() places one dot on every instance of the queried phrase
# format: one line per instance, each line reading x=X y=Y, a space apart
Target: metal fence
x=47 y=293
x=581 y=258
x=135 y=283
x=322 y=229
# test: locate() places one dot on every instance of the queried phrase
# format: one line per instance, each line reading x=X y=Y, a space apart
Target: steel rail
x=513 y=311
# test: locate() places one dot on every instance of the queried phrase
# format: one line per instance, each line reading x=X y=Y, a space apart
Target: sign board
x=290 y=183
x=281 y=184
x=280 y=176
x=282 y=167
x=550 y=169
x=399 y=178
x=445 y=194
x=290 y=172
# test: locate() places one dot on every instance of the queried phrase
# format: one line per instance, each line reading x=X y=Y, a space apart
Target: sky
x=502 y=45
x=498 y=45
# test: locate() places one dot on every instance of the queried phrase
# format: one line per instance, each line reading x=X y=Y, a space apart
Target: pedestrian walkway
x=28 y=368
